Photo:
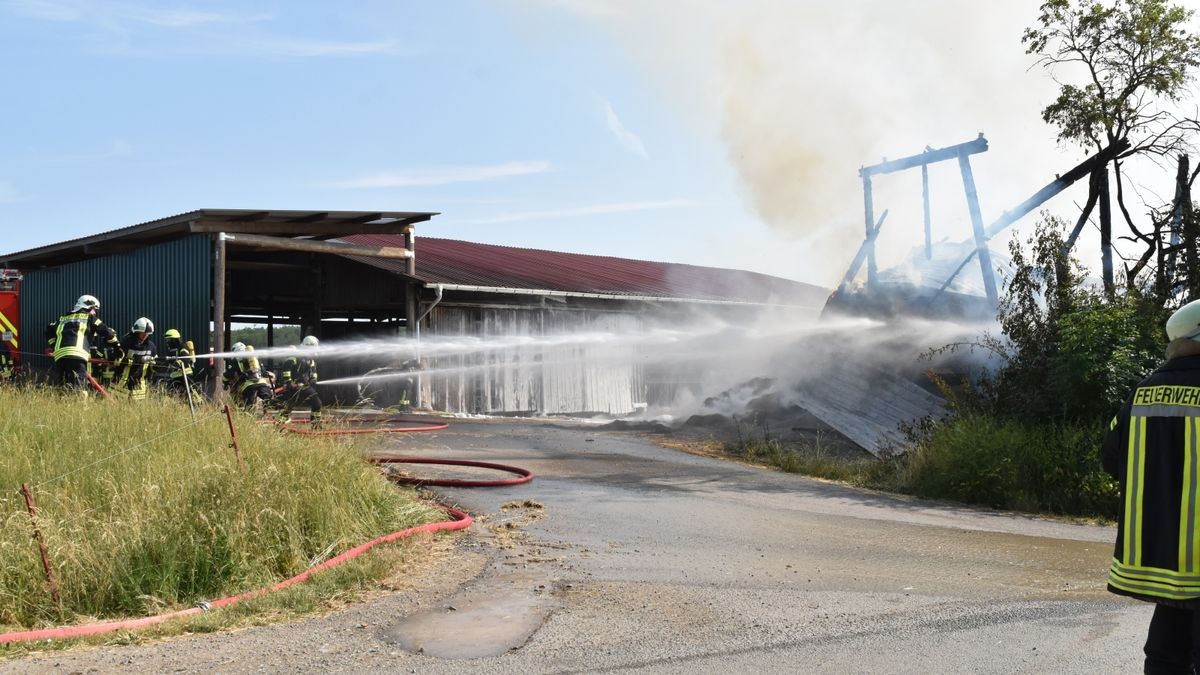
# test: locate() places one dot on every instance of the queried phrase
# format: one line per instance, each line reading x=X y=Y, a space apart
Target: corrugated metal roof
x=451 y=261
x=286 y=223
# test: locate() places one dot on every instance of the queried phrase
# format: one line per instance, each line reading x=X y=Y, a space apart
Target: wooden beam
x=310 y=246
x=218 y=315
x=980 y=144
x=981 y=239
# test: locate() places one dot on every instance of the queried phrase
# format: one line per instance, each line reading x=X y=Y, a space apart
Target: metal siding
x=170 y=283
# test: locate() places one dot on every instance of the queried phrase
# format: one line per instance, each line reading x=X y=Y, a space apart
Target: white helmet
x=143 y=325
x=310 y=341
x=239 y=347
x=87 y=302
x=1185 y=322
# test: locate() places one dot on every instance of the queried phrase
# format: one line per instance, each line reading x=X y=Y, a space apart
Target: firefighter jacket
x=243 y=373
x=298 y=370
x=1152 y=448
x=136 y=364
x=6 y=364
x=73 y=335
x=182 y=362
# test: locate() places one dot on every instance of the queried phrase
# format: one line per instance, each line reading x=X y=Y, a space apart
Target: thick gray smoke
x=804 y=93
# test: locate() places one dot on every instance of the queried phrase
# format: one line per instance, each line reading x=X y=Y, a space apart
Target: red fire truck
x=10 y=314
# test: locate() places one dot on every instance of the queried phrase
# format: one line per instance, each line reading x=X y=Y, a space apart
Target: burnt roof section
x=317 y=224
x=455 y=262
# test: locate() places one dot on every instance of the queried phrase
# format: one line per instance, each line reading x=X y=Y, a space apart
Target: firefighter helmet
x=1185 y=322
x=87 y=302
x=310 y=341
x=239 y=347
x=172 y=333
x=143 y=325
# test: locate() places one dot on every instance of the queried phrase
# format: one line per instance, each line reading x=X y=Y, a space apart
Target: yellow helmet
x=172 y=333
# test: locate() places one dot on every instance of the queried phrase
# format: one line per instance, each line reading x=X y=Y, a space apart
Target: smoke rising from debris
x=802 y=94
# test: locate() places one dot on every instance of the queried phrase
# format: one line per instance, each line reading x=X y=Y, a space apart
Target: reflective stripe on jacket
x=72 y=334
x=1153 y=450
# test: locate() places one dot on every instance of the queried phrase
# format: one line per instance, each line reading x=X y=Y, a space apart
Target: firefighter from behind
x=244 y=379
x=179 y=363
x=70 y=341
x=298 y=376
x=1152 y=448
x=135 y=367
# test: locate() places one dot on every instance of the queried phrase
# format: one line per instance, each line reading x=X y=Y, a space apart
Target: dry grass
x=144 y=511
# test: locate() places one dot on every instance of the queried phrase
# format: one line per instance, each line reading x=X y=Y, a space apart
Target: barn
x=355 y=275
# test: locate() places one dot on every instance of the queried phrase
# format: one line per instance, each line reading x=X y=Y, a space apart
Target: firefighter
x=177 y=372
x=1148 y=449
x=244 y=378
x=298 y=377
x=70 y=341
x=7 y=366
x=136 y=366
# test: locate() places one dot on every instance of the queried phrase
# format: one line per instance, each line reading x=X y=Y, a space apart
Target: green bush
x=976 y=458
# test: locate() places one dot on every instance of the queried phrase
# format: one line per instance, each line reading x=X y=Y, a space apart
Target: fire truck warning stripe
x=7 y=325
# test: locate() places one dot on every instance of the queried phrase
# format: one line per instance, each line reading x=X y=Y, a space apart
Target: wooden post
x=218 y=315
x=233 y=443
x=981 y=245
x=925 y=199
x=37 y=534
x=410 y=245
x=1106 y=260
x=869 y=218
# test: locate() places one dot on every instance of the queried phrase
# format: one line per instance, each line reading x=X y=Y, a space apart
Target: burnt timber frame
x=962 y=153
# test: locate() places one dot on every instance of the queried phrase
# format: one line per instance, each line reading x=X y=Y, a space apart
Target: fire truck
x=10 y=314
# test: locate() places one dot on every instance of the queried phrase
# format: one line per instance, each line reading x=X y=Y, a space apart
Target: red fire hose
x=462 y=520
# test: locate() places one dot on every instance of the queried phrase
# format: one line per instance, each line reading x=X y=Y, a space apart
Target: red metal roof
x=451 y=261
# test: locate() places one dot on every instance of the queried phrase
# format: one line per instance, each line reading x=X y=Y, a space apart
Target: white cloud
x=581 y=211
x=121 y=19
x=627 y=138
x=115 y=13
x=300 y=47
x=181 y=18
x=444 y=175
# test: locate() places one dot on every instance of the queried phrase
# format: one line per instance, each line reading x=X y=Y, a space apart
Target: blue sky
x=645 y=130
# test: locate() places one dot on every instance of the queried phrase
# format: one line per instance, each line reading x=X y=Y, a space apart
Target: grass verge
x=971 y=458
x=144 y=511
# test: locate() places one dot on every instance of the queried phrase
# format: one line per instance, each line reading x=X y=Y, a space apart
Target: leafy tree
x=1135 y=59
x=1070 y=354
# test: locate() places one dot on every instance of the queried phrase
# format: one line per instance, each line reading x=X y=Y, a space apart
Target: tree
x=1135 y=58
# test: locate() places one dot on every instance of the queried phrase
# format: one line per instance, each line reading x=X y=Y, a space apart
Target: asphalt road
x=625 y=556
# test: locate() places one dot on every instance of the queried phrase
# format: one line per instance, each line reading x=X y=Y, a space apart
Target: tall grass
x=980 y=459
x=144 y=511
x=972 y=458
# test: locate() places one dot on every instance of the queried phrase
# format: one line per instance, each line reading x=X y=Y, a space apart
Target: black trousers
x=1171 y=643
x=304 y=396
x=72 y=373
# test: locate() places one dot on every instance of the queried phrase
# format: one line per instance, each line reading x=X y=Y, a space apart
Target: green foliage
x=1071 y=355
x=979 y=459
x=144 y=512
x=256 y=336
x=1132 y=51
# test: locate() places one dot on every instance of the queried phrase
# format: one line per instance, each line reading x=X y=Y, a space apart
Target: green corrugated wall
x=171 y=283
